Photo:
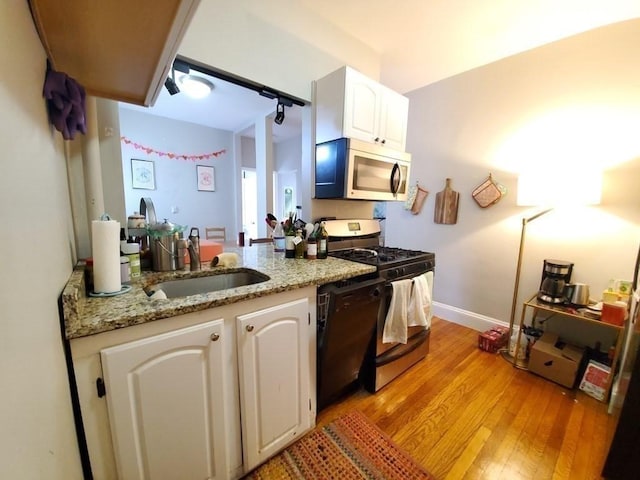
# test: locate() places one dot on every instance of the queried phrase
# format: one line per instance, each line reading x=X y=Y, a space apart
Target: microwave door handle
x=396 y=178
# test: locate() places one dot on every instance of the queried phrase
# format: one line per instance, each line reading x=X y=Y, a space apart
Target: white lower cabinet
x=166 y=407
x=206 y=395
x=273 y=357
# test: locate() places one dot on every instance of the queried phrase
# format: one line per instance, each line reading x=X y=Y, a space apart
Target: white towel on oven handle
x=419 y=310
x=395 y=324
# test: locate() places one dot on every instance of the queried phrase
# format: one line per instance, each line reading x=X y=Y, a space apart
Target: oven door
x=376 y=177
x=413 y=333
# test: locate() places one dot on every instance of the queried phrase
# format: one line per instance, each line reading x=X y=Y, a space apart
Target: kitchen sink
x=211 y=283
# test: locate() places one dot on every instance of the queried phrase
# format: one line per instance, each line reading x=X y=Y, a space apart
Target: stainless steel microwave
x=353 y=169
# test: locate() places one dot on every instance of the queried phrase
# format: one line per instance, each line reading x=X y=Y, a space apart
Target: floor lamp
x=525 y=221
x=584 y=189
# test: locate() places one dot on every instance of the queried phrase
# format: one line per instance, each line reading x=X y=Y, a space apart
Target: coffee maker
x=556 y=274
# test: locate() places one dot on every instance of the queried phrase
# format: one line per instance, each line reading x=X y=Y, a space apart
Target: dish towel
x=225 y=259
x=419 y=310
x=395 y=324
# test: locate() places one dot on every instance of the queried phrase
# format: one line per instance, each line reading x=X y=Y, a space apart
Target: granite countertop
x=85 y=316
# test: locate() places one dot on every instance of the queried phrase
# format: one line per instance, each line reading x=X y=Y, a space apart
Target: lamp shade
x=559 y=188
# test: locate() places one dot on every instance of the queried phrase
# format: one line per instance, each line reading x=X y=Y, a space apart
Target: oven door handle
x=399 y=352
x=335 y=289
x=395 y=179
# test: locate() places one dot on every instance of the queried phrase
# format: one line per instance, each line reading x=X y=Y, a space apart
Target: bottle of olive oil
x=312 y=244
x=299 y=244
x=289 y=232
x=322 y=239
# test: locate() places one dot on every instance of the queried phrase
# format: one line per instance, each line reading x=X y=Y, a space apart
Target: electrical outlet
x=174 y=209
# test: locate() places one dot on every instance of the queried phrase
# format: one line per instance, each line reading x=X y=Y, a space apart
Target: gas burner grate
x=380 y=256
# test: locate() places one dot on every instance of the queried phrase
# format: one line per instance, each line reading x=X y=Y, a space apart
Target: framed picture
x=143 y=174
x=206 y=178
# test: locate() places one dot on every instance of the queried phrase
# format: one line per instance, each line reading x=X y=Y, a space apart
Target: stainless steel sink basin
x=212 y=283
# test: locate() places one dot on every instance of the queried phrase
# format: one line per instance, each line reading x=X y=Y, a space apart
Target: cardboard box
x=494 y=339
x=555 y=360
x=594 y=380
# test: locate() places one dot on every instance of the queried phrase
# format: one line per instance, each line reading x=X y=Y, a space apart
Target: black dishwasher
x=347 y=315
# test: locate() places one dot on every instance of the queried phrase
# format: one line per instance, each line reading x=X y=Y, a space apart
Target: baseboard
x=466 y=318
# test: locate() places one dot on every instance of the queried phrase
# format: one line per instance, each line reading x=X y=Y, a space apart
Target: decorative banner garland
x=149 y=150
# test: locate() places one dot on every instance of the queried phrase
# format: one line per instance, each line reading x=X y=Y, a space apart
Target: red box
x=594 y=380
x=494 y=339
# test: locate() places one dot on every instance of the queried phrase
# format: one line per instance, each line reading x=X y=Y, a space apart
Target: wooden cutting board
x=446 y=211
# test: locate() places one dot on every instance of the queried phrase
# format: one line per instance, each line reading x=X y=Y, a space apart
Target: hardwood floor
x=467 y=414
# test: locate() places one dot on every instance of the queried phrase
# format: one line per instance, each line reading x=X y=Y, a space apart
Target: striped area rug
x=350 y=447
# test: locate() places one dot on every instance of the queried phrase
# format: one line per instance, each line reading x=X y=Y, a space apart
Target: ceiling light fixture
x=279 y=113
x=195 y=86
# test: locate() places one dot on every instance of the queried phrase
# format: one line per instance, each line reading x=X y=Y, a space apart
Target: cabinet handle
x=215 y=337
x=377 y=139
x=383 y=141
x=249 y=328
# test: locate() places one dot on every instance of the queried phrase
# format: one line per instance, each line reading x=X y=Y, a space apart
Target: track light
x=279 y=113
x=170 y=83
x=171 y=86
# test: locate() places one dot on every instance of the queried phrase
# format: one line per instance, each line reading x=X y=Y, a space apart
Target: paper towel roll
x=105 y=246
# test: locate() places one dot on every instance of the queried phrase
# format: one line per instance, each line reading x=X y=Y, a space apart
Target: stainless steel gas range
x=358 y=241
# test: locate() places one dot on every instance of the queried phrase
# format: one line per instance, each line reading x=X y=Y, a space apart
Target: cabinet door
x=394 y=111
x=274 y=350
x=361 y=107
x=165 y=402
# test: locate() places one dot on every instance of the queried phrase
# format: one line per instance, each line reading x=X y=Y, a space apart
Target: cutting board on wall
x=446 y=211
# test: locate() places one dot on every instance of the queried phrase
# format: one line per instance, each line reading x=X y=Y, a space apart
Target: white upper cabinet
x=166 y=406
x=349 y=104
x=274 y=370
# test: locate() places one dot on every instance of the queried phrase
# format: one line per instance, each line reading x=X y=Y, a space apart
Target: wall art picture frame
x=143 y=174
x=206 y=178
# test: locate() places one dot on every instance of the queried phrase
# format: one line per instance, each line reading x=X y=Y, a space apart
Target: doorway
x=284 y=191
x=285 y=185
x=249 y=203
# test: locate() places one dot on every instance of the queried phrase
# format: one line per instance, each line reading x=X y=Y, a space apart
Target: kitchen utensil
x=136 y=220
x=446 y=210
x=415 y=199
x=577 y=294
x=167 y=253
x=488 y=192
x=556 y=274
x=309 y=227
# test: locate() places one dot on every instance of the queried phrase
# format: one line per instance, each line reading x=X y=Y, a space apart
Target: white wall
x=248 y=153
x=176 y=178
x=288 y=154
x=281 y=45
x=576 y=102
x=37 y=437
